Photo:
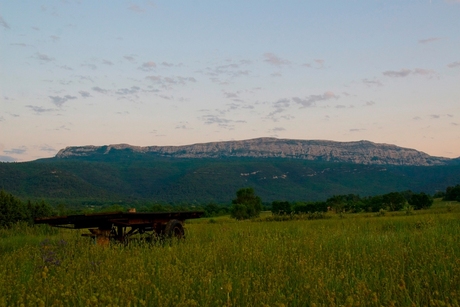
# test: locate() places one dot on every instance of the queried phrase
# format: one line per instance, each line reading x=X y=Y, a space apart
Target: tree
x=336 y=202
x=439 y=194
x=420 y=201
x=407 y=194
x=38 y=210
x=11 y=210
x=374 y=203
x=211 y=209
x=453 y=193
x=310 y=207
x=246 y=204
x=279 y=207
x=394 y=201
x=239 y=212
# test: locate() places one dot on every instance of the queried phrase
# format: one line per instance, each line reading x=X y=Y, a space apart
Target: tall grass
x=409 y=260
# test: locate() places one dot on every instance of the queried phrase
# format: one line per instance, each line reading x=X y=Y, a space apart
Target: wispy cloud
x=373 y=82
x=83 y=79
x=3 y=23
x=90 y=66
x=320 y=62
x=136 y=8
x=406 y=72
x=129 y=58
x=233 y=70
x=38 y=109
x=107 y=62
x=99 y=90
x=428 y=40
x=397 y=74
x=128 y=91
x=273 y=59
x=220 y=121
x=55 y=38
x=311 y=100
x=16 y=151
x=148 y=66
x=62 y=127
x=59 y=101
x=19 y=44
x=47 y=148
x=277 y=129
x=230 y=95
x=141 y=9
x=166 y=97
x=65 y=67
x=183 y=126
x=84 y=94
x=453 y=64
x=280 y=106
x=421 y=71
x=169 y=81
x=43 y=57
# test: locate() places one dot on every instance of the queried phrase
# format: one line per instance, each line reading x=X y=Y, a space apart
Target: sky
x=173 y=72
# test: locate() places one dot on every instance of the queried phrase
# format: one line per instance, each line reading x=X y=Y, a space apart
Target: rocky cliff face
x=361 y=152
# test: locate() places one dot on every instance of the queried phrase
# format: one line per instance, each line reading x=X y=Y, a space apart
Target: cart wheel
x=174 y=228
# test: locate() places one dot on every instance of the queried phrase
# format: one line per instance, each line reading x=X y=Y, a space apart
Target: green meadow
x=367 y=259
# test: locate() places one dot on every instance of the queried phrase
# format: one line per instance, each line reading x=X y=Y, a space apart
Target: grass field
x=348 y=260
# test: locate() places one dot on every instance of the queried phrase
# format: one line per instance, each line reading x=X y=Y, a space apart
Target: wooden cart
x=121 y=226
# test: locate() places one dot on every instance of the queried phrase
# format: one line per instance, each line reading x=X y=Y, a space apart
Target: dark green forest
x=142 y=180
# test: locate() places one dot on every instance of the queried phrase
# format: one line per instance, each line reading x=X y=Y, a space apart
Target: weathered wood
x=120 y=225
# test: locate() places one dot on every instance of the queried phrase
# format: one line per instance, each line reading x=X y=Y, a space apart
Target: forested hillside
x=136 y=177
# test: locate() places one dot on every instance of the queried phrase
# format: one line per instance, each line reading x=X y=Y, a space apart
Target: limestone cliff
x=360 y=152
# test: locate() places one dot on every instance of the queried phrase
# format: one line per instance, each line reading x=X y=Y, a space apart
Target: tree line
x=246 y=205
x=452 y=193
x=13 y=210
x=353 y=203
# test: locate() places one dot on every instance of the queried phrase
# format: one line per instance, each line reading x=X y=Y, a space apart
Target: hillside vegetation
x=168 y=180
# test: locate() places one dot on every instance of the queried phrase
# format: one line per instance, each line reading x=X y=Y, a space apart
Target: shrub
x=452 y=193
x=281 y=207
x=420 y=201
x=246 y=205
x=12 y=210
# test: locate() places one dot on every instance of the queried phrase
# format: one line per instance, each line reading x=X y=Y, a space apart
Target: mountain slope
x=361 y=152
x=159 y=179
x=314 y=170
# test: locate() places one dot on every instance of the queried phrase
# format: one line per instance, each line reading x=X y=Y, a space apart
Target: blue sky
x=180 y=72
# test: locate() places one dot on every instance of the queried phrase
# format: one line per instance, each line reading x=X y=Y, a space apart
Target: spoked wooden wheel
x=174 y=229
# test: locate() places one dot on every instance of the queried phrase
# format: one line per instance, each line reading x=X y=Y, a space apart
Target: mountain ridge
x=357 y=152
x=277 y=169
